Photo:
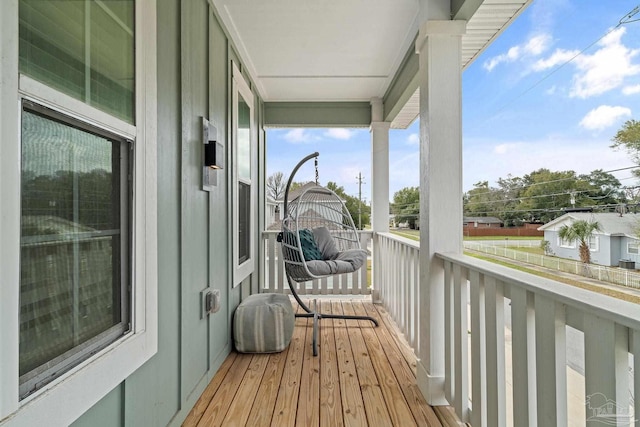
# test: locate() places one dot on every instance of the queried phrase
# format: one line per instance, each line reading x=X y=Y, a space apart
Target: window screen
x=74 y=244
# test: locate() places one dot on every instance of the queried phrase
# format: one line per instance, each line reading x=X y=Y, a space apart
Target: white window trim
x=62 y=401
x=596 y=246
x=565 y=244
x=239 y=87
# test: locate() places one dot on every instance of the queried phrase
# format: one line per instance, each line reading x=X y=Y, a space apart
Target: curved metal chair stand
x=318 y=239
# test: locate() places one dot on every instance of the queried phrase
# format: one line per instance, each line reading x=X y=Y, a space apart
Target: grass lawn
x=601 y=290
x=415 y=235
x=533 y=250
x=408 y=233
x=502 y=238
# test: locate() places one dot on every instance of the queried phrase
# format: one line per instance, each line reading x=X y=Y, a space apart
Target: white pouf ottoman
x=263 y=323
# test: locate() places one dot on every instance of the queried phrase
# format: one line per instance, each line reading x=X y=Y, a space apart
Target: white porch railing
x=275 y=279
x=506 y=346
x=396 y=277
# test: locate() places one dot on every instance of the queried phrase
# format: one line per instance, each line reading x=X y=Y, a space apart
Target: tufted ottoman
x=263 y=323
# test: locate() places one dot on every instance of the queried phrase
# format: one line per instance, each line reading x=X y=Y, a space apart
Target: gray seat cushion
x=345 y=262
x=263 y=323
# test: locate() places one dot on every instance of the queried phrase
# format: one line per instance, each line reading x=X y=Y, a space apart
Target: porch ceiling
x=341 y=50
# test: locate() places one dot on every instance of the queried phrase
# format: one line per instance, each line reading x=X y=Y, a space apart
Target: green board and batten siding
x=194 y=57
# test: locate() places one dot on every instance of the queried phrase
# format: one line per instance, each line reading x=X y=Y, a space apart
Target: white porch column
x=379 y=168
x=440 y=72
x=379 y=185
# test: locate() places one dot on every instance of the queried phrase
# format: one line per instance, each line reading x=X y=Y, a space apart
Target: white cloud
x=581 y=156
x=631 y=90
x=506 y=148
x=296 y=136
x=599 y=72
x=413 y=139
x=603 y=117
x=339 y=133
x=560 y=56
x=535 y=46
x=606 y=69
x=551 y=90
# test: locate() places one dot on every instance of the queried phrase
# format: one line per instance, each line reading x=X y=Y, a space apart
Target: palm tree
x=581 y=231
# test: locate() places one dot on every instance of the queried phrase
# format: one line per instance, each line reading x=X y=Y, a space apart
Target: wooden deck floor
x=363 y=376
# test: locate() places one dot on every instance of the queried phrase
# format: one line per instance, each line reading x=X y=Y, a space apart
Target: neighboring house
x=171 y=100
x=481 y=222
x=615 y=241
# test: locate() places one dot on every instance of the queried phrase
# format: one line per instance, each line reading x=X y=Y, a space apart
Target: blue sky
x=524 y=106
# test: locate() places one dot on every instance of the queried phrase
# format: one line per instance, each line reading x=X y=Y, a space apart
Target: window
x=566 y=243
x=594 y=243
x=632 y=248
x=74 y=244
x=244 y=188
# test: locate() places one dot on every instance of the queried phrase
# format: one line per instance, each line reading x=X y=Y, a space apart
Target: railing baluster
x=606 y=366
x=478 y=351
x=523 y=358
x=271 y=253
x=449 y=383
x=635 y=350
x=551 y=361
x=460 y=302
x=280 y=283
x=418 y=308
x=494 y=322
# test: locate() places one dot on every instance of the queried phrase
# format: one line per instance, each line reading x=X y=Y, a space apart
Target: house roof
x=348 y=50
x=611 y=223
x=294 y=194
x=482 y=219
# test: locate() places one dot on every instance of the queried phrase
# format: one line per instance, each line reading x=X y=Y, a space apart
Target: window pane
x=82 y=48
x=244 y=140
x=72 y=246
x=244 y=222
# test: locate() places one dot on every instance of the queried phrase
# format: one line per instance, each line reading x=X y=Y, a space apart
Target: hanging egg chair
x=318 y=239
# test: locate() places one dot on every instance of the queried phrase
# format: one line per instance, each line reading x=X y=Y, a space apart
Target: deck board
x=363 y=376
x=330 y=400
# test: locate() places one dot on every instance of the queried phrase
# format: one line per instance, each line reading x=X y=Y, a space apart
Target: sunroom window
x=74 y=244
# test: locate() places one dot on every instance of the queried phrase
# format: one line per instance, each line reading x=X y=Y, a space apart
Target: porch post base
x=431 y=387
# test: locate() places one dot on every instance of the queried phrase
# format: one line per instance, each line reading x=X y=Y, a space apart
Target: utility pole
x=359 y=178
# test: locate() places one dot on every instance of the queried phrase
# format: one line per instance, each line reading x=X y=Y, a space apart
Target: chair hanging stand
x=318 y=240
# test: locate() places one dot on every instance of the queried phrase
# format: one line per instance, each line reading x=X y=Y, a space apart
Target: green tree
x=628 y=137
x=580 y=231
x=352 y=204
x=406 y=205
x=547 y=193
x=510 y=210
x=605 y=188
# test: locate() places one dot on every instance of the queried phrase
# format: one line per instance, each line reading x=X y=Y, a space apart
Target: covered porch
x=488 y=341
